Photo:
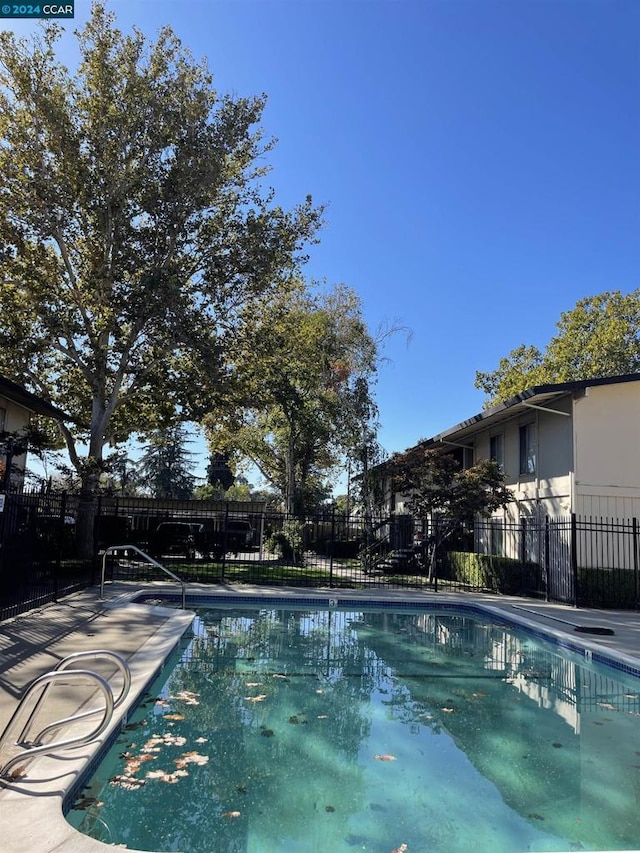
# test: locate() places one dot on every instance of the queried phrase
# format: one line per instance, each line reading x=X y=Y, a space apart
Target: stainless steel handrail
x=149 y=559
x=29 y=750
x=63 y=665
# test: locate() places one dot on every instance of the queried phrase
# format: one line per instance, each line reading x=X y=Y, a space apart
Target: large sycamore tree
x=599 y=337
x=136 y=232
x=301 y=400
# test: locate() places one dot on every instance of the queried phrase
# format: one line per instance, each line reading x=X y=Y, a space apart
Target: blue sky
x=478 y=159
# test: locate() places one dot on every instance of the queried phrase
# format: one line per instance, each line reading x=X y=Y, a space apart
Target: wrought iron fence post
x=436 y=542
x=574 y=558
x=59 y=549
x=224 y=541
x=634 y=529
x=333 y=545
x=96 y=543
x=546 y=558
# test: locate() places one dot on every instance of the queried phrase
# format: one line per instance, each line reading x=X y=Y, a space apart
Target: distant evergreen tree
x=218 y=471
x=166 y=465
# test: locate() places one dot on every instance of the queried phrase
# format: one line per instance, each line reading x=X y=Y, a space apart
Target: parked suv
x=239 y=535
x=178 y=537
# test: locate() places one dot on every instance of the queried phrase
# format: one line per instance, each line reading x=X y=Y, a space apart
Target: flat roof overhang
x=21 y=397
x=539 y=396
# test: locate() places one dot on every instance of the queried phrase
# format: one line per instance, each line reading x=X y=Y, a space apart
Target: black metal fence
x=39 y=559
x=578 y=561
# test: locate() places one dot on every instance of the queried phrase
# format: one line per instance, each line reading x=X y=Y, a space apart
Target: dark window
x=496 y=530
x=528 y=449
x=496 y=451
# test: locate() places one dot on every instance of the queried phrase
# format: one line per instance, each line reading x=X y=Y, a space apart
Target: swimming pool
x=278 y=729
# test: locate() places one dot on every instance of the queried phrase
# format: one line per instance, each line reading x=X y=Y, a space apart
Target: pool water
x=304 y=730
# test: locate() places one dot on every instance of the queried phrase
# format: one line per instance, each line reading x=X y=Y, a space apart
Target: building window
x=496 y=537
x=528 y=449
x=496 y=450
x=467 y=458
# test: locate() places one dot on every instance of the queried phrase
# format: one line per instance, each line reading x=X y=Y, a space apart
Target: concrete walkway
x=31 y=819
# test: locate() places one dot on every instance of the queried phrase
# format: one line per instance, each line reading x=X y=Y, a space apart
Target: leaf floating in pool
x=156 y=741
x=129 y=783
x=201 y=740
x=385 y=757
x=260 y=698
x=187 y=696
x=448 y=710
x=267 y=733
x=329 y=808
x=169 y=778
x=535 y=816
x=192 y=758
x=231 y=814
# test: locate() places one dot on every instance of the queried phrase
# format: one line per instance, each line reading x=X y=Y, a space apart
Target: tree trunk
x=87 y=510
x=290 y=498
x=90 y=470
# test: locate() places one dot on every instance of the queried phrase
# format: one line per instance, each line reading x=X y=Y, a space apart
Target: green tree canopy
x=136 y=232
x=599 y=337
x=435 y=484
x=299 y=384
x=440 y=491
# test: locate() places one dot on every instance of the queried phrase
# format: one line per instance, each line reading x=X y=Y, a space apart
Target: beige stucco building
x=572 y=447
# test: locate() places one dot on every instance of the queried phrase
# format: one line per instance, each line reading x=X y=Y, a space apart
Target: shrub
x=287 y=543
x=498 y=574
x=606 y=587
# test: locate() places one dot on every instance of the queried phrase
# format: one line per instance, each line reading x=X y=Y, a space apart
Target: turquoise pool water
x=326 y=730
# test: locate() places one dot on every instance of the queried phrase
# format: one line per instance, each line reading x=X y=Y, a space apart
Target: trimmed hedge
x=485 y=571
x=606 y=587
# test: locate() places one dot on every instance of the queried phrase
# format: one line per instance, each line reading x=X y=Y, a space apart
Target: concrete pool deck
x=31 y=818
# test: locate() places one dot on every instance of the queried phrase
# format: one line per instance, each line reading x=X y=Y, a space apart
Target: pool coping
x=32 y=809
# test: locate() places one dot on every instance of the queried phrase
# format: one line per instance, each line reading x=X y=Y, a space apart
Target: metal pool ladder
x=30 y=747
x=113 y=548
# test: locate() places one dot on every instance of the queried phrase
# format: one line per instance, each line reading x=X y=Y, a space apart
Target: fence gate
x=557 y=560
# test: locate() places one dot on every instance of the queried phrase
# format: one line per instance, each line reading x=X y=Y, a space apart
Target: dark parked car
x=239 y=535
x=178 y=537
